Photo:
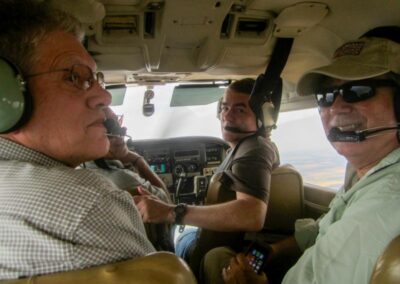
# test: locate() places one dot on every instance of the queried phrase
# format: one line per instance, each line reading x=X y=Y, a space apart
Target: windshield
x=309 y=152
x=166 y=122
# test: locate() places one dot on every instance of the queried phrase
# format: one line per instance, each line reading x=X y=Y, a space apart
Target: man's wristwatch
x=180 y=211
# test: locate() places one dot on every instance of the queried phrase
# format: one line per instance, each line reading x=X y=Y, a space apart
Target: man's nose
x=99 y=98
x=228 y=115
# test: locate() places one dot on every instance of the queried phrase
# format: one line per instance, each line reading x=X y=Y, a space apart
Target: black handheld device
x=257 y=256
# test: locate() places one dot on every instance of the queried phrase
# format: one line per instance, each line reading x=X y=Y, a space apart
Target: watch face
x=180 y=208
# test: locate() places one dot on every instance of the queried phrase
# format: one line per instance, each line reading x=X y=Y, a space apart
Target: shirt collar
x=10 y=150
x=392 y=158
x=351 y=174
x=350 y=177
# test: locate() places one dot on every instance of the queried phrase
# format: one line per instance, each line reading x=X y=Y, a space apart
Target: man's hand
x=240 y=272
x=118 y=149
x=152 y=209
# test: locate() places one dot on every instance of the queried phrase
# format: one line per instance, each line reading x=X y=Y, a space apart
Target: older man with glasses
x=358 y=97
x=54 y=217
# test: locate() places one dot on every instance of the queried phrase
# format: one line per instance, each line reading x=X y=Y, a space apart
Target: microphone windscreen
x=237 y=130
x=336 y=135
x=113 y=127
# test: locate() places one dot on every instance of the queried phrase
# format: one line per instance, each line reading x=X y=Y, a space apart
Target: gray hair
x=25 y=23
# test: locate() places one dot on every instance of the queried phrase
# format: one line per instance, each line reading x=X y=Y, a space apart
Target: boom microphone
x=113 y=128
x=336 y=135
x=237 y=130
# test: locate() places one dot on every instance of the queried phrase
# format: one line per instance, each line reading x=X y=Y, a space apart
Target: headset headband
x=265 y=98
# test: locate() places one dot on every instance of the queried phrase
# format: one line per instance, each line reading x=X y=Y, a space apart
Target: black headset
x=391 y=33
x=265 y=98
x=396 y=103
x=15 y=101
x=219 y=107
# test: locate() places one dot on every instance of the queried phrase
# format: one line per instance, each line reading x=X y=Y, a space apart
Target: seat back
x=387 y=268
x=155 y=268
x=286 y=200
x=286 y=204
x=207 y=239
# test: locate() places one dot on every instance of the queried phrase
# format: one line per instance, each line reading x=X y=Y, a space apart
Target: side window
x=302 y=142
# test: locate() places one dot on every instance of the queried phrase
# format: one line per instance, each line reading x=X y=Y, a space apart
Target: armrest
x=387 y=266
x=159 y=267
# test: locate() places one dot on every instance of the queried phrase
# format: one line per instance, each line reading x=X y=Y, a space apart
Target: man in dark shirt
x=246 y=174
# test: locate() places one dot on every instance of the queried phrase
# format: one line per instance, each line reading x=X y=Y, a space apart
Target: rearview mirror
x=148 y=108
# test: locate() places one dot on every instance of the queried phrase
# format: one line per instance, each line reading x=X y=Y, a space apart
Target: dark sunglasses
x=81 y=76
x=352 y=92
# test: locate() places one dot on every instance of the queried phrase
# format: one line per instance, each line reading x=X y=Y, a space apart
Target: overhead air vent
x=149 y=24
x=122 y=23
x=154 y=6
x=247 y=27
x=150 y=16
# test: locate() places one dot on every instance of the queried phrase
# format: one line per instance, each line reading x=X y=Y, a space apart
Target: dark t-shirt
x=248 y=167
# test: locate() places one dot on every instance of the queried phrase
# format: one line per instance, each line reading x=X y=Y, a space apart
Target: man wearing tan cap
x=358 y=96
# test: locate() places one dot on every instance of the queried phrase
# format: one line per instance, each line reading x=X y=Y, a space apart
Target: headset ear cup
x=268 y=114
x=219 y=105
x=15 y=102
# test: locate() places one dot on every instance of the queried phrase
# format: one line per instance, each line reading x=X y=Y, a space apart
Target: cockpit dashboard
x=185 y=164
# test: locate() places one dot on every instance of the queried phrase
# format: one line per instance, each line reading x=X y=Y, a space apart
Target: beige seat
x=387 y=268
x=286 y=204
x=155 y=268
x=286 y=200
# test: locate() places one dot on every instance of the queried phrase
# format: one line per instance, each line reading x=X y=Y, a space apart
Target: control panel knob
x=192 y=168
x=179 y=170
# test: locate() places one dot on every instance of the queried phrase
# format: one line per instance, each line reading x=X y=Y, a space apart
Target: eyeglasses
x=352 y=92
x=81 y=76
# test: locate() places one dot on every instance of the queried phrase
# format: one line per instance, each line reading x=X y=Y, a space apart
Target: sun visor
x=197 y=94
x=117 y=94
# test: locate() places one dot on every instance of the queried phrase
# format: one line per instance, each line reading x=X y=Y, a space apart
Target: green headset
x=15 y=101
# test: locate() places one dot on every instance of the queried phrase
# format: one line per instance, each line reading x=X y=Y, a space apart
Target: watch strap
x=180 y=211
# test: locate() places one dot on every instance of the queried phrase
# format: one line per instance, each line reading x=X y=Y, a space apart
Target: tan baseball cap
x=355 y=60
